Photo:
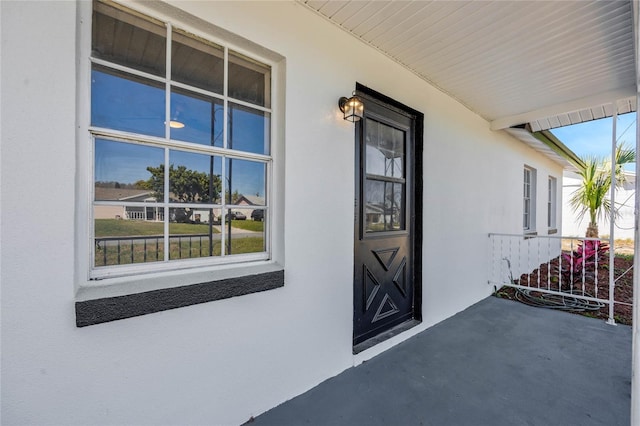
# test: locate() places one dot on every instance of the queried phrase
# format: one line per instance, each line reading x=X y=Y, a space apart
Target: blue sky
x=594 y=137
x=133 y=104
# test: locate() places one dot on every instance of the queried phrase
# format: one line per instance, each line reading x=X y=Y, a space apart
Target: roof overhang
x=590 y=108
x=544 y=64
x=550 y=146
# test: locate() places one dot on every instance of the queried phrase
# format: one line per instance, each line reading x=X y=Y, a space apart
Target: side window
x=529 y=200
x=551 y=202
x=180 y=134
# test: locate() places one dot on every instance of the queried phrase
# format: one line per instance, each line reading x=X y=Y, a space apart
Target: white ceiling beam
x=563 y=108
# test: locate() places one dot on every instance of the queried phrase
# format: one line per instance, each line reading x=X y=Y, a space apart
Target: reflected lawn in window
x=247 y=245
x=149 y=250
x=248 y=225
x=129 y=228
x=124 y=251
x=189 y=246
x=184 y=249
x=246 y=236
x=122 y=242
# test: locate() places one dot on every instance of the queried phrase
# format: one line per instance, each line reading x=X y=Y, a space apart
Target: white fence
x=136 y=215
x=156 y=216
x=560 y=272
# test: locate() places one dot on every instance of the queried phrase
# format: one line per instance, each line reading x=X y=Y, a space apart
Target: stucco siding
x=225 y=361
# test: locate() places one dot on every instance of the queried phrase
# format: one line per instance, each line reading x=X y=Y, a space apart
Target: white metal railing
x=565 y=272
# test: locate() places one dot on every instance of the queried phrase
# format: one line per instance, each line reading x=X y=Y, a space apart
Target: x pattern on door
x=386 y=306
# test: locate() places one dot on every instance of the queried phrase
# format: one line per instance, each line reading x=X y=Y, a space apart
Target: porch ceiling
x=542 y=63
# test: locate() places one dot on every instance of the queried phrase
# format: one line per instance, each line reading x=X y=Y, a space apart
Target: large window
x=180 y=131
x=529 y=200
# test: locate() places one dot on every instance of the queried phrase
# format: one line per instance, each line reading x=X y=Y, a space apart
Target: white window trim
x=552 y=203
x=532 y=200
x=169 y=274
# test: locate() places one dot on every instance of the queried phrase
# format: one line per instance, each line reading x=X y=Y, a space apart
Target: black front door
x=384 y=295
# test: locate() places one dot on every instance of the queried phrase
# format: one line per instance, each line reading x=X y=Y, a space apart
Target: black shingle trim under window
x=97 y=311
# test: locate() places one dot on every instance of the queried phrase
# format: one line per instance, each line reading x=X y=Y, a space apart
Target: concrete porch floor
x=498 y=362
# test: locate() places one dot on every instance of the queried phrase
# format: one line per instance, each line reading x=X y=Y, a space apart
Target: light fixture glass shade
x=352 y=107
x=175 y=124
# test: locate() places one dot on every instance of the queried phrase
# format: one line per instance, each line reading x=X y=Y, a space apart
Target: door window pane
x=384 y=149
x=384 y=206
x=126 y=102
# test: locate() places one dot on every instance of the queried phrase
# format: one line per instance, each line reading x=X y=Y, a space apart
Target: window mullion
x=225 y=90
x=225 y=144
x=223 y=218
x=167 y=106
x=167 y=130
x=165 y=204
x=126 y=69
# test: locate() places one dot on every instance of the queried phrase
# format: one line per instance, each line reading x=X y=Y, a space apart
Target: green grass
x=107 y=255
x=247 y=245
x=129 y=228
x=188 y=228
x=142 y=251
x=248 y=225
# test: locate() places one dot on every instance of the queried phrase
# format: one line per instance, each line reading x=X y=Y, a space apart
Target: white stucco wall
x=224 y=361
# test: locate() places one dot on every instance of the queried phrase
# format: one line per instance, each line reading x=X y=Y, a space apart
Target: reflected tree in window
x=185 y=185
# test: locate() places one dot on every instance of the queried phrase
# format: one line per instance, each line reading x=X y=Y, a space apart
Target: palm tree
x=592 y=195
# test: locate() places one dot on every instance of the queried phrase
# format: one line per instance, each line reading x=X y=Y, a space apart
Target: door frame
x=417 y=163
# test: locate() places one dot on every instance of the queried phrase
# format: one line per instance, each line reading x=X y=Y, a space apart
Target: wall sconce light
x=352 y=107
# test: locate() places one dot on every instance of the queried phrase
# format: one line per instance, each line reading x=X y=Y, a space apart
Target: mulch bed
x=623 y=288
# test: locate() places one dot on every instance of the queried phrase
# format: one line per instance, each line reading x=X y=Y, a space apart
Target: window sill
x=552 y=231
x=127 y=298
x=530 y=234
